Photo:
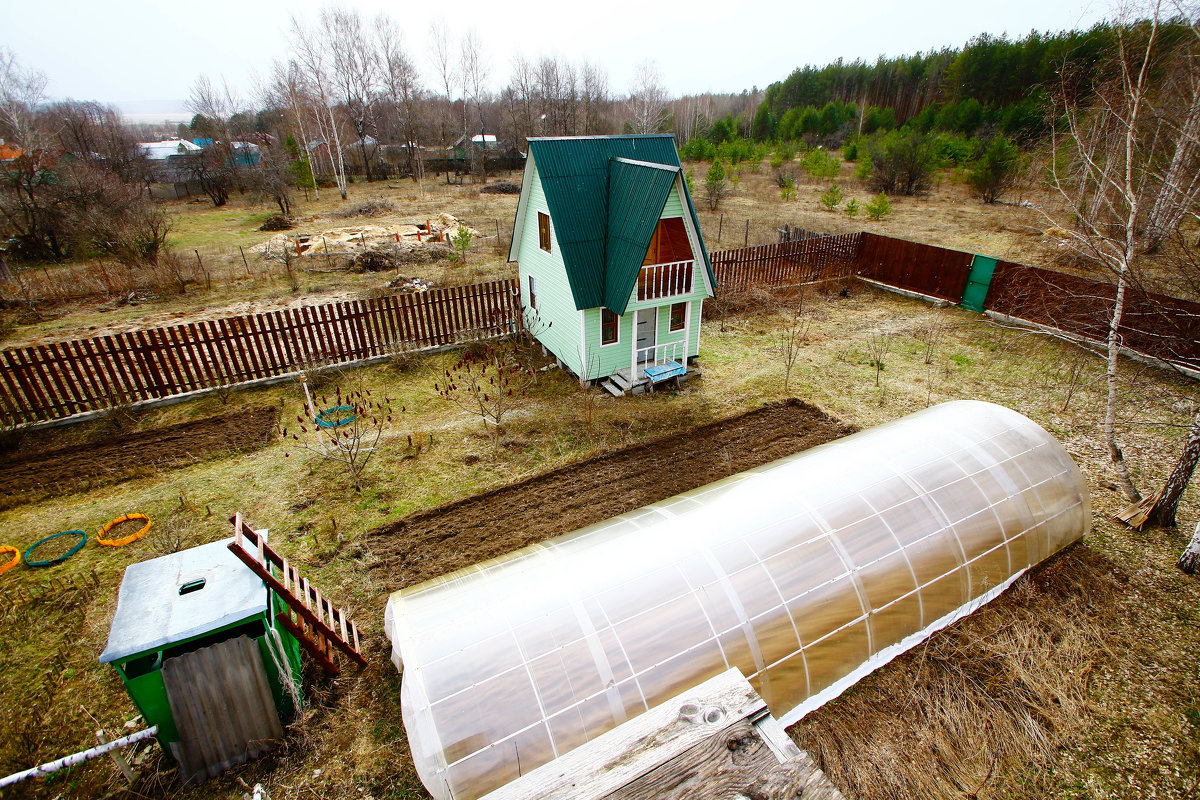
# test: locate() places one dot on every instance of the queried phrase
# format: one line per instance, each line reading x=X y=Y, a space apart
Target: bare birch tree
x=402 y=85
x=355 y=73
x=312 y=62
x=1123 y=166
x=647 y=100
x=1097 y=169
x=443 y=61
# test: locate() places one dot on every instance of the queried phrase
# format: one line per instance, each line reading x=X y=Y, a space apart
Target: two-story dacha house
x=612 y=266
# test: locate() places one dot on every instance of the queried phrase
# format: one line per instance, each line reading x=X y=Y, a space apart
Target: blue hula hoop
x=324 y=422
x=58 y=559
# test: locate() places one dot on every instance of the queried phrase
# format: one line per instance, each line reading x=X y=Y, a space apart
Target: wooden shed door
x=223 y=708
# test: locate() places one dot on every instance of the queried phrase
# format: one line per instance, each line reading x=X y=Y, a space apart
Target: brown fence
x=1156 y=325
x=51 y=381
x=802 y=261
x=923 y=268
x=56 y=380
x=1153 y=324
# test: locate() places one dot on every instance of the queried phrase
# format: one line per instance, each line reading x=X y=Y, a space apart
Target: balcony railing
x=665 y=280
x=659 y=354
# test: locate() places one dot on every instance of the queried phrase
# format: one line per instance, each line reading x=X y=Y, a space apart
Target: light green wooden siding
x=674 y=207
x=556 y=303
x=610 y=358
x=554 y=300
x=607 y=359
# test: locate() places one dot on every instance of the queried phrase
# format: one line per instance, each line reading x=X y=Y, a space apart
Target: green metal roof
x=582 y=183
x=637 y=192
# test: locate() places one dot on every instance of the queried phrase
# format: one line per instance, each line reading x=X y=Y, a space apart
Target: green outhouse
x=194 y=641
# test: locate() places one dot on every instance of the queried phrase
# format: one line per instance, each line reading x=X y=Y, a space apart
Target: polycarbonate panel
x=806 y=574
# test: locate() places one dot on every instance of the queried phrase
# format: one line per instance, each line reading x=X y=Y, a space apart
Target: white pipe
x=78 y=758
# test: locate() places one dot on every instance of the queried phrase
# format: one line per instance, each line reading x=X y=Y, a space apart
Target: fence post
x=720 y=227
x=747 y=242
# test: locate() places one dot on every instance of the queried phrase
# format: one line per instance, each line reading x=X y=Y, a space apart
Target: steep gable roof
x=576 y=174
x=637 y=193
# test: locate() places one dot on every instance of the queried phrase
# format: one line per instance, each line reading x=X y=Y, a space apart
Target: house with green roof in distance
x=613 y=269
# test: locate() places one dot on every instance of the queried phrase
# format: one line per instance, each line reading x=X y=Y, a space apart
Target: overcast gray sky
x=132 y=51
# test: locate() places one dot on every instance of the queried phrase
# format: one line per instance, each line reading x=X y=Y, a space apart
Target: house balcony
x=660 y=281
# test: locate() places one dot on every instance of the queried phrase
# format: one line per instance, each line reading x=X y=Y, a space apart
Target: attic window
x=608 y=326
x=544 y=231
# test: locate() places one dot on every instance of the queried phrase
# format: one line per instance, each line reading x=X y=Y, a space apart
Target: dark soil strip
x=457 y=535
x=25 y=476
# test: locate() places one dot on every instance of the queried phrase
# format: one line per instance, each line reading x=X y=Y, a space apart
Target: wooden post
x=720 y=227
x=244 y=261
x=117 y=758
x=747 y=242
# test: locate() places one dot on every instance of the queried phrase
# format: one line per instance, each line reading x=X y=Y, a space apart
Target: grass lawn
x=350 y=743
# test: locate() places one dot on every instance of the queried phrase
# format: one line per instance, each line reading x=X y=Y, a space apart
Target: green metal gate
x=978 y=282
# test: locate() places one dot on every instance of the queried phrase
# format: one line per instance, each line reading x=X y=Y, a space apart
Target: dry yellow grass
x=350 y=742
x=1126 y=719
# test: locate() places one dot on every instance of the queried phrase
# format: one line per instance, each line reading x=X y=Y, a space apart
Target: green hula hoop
x=332 y=417
x=51 y=561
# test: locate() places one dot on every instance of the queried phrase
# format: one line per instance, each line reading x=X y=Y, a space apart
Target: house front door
x=647 y=324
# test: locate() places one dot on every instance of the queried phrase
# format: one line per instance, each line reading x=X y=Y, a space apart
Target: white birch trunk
x=1191 y=556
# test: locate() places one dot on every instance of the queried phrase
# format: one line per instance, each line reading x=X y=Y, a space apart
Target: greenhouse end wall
x=805 y=573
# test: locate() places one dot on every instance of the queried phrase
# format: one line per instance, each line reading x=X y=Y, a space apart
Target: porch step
x=622 y=381
x=613 y=389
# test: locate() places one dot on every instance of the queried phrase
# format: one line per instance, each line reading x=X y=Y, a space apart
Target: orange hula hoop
x=16 y=558
x=127 y=539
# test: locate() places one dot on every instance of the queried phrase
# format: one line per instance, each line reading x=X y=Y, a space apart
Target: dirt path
x=462 y=533
x=117 y=458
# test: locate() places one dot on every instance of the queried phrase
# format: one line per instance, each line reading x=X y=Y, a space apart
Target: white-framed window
x=532 y=295
x=610 y=326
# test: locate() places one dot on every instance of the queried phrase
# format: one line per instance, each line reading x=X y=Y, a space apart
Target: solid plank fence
x=924 y=268
x=1164 y=327
x=56 y=380
x=60 y=379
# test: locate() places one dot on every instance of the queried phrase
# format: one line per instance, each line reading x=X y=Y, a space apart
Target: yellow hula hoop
x=126 y=540
x=16 y=558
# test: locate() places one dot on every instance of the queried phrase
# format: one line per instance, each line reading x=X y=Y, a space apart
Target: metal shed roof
x=575 y=172
x=151 y=613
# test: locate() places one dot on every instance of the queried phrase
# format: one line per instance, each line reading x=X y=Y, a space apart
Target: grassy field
x=1114 y=711
x=1129 y=737
x=948 y=216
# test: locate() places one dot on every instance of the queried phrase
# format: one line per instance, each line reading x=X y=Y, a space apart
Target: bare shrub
x=486 y=380
x=879 y=344
x=345 y=432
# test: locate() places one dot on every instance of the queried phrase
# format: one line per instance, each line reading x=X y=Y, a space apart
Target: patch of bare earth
x=457 y=535
x=28 y=472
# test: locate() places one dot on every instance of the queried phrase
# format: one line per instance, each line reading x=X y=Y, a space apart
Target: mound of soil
x=277 y=222
x=117 y=458
x=456 y=535
x=501 y=187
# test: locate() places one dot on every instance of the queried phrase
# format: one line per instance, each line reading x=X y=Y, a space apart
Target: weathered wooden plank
x=619 y=757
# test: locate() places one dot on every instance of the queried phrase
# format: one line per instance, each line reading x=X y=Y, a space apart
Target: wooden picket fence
x=60 y=379
x=803 y=261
